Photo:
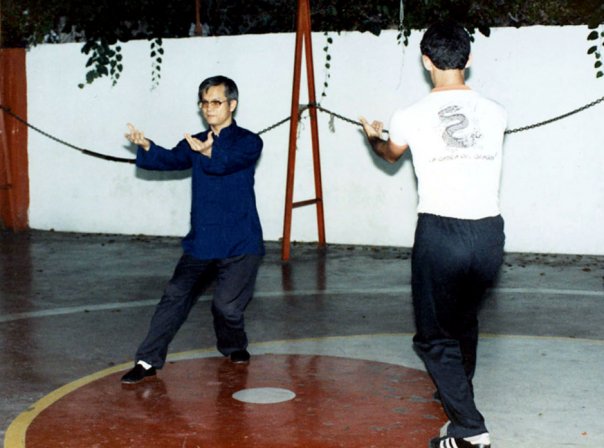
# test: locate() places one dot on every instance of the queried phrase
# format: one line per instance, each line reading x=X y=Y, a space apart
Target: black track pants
x=454 y=261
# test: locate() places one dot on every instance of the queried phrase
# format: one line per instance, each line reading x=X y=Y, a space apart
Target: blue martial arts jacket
x=224 y=218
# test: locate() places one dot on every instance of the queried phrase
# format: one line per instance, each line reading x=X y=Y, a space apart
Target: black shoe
x=137 y=374
x=240 y=357
x=452 y=442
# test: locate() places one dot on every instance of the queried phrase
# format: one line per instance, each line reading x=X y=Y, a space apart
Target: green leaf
x=593 y=35
x=598 y=64
x=592 y=49
x=485 y=30
x=86 y=47
x=599 y=74
x=374 y=28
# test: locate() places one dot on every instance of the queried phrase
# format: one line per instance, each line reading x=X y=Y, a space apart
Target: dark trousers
x=235 y=279
x=454 y=261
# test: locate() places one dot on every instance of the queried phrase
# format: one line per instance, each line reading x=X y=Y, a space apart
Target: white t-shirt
x=456 y=139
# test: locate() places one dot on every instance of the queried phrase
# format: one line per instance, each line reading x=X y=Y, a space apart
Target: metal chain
x=334 y=114
x=508 y=131
x=302 y=109
x=560 y=117
x=63 y=142
x=276 y=125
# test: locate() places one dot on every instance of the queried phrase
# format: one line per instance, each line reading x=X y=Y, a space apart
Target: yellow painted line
x=16 y=432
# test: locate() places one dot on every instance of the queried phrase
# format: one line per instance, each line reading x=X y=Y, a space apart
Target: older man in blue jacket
x=225 y=241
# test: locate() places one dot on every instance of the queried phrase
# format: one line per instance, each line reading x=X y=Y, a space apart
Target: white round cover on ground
x=264 y=395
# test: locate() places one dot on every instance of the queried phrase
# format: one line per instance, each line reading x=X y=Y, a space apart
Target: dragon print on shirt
x=456 y=133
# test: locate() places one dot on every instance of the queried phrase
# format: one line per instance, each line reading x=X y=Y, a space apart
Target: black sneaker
x=452 y=442
x=137 y=374
x=240 y=357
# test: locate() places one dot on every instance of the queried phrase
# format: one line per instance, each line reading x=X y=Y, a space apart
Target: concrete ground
x=75 y=306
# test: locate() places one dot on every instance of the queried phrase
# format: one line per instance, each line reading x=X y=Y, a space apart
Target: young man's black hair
x=447 y=44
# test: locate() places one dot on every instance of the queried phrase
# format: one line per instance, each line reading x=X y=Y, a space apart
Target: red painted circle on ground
x=340 y=402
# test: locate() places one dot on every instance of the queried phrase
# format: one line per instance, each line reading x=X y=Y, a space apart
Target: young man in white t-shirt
x=456 y=138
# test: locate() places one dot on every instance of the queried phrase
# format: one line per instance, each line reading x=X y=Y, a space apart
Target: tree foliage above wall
x=102 y=24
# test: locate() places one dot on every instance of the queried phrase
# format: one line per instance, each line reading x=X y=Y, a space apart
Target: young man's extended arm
x=387 y=150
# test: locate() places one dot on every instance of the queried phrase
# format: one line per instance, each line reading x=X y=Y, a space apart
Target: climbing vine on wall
x=327 y=63
x=596 y=36
x=103 y=60
x=157 y=52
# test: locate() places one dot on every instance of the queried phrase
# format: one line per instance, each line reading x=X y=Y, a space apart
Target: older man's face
x=216 y=109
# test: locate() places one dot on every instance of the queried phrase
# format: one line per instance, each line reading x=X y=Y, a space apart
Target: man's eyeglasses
x=204 y=104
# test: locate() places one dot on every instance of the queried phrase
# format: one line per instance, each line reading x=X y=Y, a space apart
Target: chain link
x=508 y=131
x=341 y=117
x=302 y=109
x=63 y=142
x=559 y=117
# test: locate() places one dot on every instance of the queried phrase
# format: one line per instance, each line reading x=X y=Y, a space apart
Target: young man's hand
x=385 y=149
x=373 y=130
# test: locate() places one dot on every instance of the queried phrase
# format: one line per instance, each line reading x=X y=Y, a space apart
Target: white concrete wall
x=552 y=188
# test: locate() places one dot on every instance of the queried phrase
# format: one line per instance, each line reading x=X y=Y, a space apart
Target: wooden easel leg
x=303 y=37
x=293 y=131
x=310 y=75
